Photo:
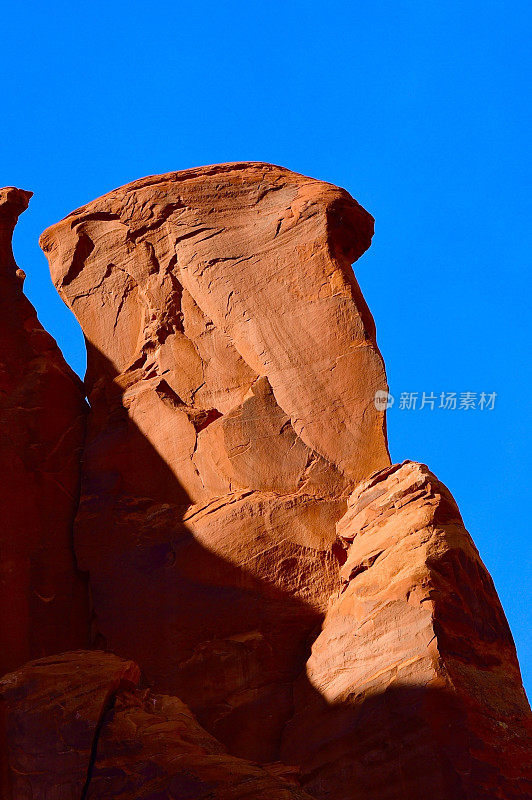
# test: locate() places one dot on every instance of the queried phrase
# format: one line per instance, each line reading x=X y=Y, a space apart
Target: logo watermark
x=383 y=400
x=447 y=401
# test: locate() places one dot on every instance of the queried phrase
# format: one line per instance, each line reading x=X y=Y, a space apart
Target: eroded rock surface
x=79 y=725
x=413 y=687
x=246 y=540
x=207 y=278
x=43 y=599
x=232 y=367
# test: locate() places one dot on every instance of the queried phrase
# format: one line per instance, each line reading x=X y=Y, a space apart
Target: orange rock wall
x=412 y=688
x=231 y=376
x=276 y=611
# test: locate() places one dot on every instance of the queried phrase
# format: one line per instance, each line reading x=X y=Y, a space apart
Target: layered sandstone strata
x=232 y=367
x=43 y=599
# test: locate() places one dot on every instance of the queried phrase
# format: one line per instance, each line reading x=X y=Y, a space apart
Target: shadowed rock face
x=247 y=542
x=232 y=367
x=43 y=600
x=80 y=726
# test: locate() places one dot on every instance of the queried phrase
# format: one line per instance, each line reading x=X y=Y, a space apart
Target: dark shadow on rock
x=408 y=741
x=225 y=641
x=232 y=644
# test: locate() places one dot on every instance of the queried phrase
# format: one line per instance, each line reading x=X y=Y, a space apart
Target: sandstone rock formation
x=232 y=367
x=413 y=687
x=79 y=726
x=43 y=599
x=309 y=620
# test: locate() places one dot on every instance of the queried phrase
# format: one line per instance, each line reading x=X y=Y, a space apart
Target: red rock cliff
x=322 y=616
x=42 y=416
x=232 y=367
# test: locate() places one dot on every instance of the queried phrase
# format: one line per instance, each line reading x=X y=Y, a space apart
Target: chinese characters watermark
x=448 y=401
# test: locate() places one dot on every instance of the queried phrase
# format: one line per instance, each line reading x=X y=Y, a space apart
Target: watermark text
x=432 y=401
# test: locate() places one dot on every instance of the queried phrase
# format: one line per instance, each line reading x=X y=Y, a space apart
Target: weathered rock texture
x=232 y=367
x=247 y=542
x=413 y=688
x=79 y=726
x=43 y=600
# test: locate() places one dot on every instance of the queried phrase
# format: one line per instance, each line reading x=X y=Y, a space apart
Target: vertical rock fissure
x=107 y=707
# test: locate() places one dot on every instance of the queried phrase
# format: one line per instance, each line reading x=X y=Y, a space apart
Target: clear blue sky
x=420 y=109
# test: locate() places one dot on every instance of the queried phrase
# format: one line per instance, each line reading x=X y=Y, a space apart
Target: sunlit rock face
x=43 y=598
x=277 y=611
x=412 y=688
x=232 y=367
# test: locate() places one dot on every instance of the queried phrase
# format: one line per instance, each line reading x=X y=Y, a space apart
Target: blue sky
x=420 y=109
